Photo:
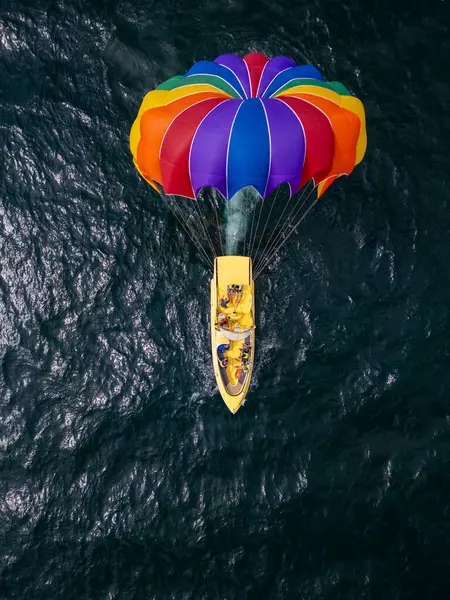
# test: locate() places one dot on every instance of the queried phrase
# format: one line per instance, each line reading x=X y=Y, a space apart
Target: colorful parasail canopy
x=237 y=122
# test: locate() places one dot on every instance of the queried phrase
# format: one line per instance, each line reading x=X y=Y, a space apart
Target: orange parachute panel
x=153 y=126
x=346 y=127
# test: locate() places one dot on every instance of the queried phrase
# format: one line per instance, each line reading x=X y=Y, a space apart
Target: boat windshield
x=235 y=336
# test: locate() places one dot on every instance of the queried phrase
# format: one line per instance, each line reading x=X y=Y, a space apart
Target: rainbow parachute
x=248 y=121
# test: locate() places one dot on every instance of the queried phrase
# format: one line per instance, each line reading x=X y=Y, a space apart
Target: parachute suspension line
x=275 y=234
x=245 y=240
x=185 y=226
x=208 y=237
x=192 y=232
x=293 y=229
x=251 y=233
x=219 y=231
x=243 y=228
x=267 y=222
x=256 y=230
x=191 y=221
x=286 y=237
x=188 y=220
x=283 y=233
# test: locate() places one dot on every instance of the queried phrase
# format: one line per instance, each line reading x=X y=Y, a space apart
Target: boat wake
x=238 y=212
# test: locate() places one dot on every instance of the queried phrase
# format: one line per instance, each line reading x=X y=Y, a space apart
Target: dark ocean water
x=122 y=474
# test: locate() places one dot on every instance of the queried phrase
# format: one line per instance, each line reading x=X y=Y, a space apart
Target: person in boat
x=241 y=369
x=221 y=357
x=221 y=349
x=245 y=351
x=245 y=360
x=234 y=292
x=247 y=346
x=222 y=320
x=224 y=302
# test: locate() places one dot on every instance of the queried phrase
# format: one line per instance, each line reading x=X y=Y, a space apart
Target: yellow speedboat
x=233 y=327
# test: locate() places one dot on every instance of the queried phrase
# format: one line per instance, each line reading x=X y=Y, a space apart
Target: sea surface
x=122 y=474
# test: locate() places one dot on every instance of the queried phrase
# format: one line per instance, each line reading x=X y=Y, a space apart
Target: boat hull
x=233 y=327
